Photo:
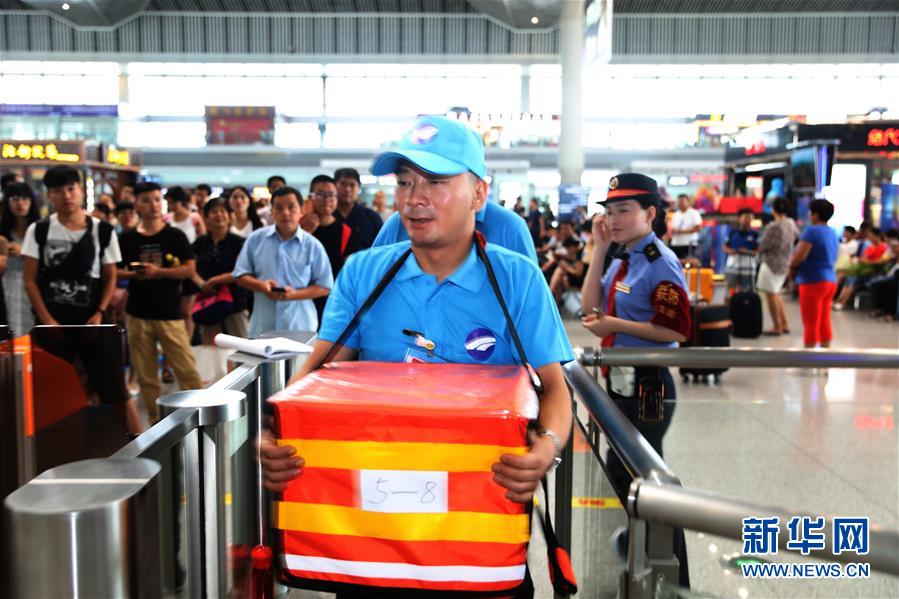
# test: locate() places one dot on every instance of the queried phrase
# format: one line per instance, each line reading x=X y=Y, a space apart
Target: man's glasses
x=324 y=196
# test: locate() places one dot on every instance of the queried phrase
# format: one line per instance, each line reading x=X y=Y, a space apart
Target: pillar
x=571 y=149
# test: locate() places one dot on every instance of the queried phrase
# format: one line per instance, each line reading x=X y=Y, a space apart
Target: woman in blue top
x=812 y=267
x=640 y=301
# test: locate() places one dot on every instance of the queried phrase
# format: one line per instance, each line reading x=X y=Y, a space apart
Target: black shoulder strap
x=41 y=231
x=366 y=305
x=105 y=235
x=479 y=244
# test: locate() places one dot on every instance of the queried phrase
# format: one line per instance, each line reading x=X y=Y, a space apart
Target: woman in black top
x=217 y=253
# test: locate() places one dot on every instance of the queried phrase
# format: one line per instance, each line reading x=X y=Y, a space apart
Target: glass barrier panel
x=599 y=521
x=239 y=500
x=79 y=393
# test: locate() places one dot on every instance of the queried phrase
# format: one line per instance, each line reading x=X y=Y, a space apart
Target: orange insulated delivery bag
x=397 y=493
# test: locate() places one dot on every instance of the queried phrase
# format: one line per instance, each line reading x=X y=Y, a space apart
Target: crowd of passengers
x=175 y=267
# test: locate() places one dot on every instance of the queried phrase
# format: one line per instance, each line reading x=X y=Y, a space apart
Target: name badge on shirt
x=413 y=355
x=622 y=287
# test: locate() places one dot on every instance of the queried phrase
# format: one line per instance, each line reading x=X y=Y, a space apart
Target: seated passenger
x=871 y=263
x=442 y=291
x=883 y=288
x=566 y=268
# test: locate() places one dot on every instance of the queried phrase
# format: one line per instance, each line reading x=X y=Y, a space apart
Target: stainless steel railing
x=657 y=503
x=737 y=357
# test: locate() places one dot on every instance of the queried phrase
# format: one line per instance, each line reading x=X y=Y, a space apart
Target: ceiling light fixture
x=535 y=20
x=65 y=6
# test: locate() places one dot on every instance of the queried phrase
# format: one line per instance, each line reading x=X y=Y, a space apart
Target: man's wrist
x=552 y=447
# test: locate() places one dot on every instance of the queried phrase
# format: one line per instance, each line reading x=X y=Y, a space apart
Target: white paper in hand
x=266 y=348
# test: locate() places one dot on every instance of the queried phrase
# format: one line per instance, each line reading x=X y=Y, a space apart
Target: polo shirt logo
x=480 y=344
x=423 y=134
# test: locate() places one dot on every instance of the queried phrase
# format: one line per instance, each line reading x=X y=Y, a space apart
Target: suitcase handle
x=710 y=326
x=697 y=295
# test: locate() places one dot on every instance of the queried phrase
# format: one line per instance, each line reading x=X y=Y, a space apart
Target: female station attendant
x=640 y=301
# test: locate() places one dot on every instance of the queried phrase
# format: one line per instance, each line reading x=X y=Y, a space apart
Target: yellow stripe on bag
x=376 y=455
x=450 y=526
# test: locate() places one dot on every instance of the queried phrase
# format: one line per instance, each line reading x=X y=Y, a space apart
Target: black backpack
x=42 y=230
x=68 y=286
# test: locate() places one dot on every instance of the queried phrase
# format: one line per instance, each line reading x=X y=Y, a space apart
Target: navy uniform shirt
x=652 y=291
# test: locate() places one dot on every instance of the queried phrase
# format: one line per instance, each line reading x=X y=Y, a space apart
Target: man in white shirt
x=685 y=226
x=69 y=273
x=69 y=276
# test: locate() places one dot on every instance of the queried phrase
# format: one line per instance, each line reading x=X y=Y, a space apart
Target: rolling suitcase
x=746 y=314
x=711 y=327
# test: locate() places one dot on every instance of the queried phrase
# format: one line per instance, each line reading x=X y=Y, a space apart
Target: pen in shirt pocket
x=420 y=339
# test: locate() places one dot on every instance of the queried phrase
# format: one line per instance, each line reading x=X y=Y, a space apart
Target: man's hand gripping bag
x=397 y=493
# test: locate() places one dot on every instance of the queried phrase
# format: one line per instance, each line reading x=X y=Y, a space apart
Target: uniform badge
x=651 y=252
x=613 y=183
x=622 y=287
x=480 y=344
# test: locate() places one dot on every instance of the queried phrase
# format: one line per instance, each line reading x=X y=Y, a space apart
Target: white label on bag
x=404 y=491
x=622 y=379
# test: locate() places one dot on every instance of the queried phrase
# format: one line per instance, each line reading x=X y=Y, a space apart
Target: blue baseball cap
x=436 y=145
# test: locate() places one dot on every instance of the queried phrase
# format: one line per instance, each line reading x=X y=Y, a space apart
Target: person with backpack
x=70 y=258
x=69 y=274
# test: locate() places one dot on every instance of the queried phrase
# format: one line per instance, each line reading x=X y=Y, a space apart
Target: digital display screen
x=802 y=163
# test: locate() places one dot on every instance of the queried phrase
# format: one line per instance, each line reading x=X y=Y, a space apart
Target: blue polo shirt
x=642 y=279
x=461 y=315
x=738 y=239
x=299 y=262
x=819 y=264
x=500 y=227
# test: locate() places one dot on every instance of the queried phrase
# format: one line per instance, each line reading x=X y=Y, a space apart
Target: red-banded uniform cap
x=633 y=186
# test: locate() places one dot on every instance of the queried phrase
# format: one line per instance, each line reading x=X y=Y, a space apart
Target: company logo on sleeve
x=480 y=344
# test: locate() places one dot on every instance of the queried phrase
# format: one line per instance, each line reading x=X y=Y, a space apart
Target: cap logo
x=613 y=183
x=423 y=134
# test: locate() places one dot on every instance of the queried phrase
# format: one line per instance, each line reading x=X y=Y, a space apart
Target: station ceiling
x=456 y=31
x=462 y=6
